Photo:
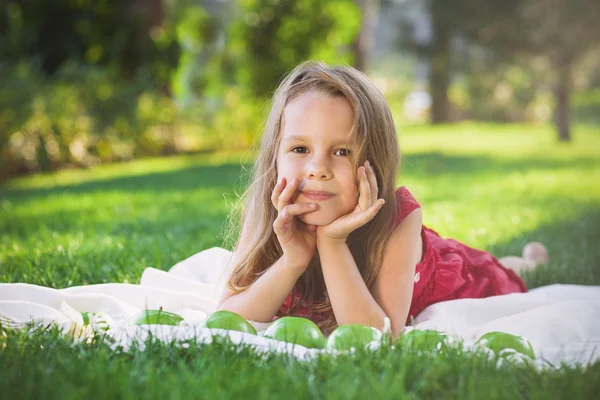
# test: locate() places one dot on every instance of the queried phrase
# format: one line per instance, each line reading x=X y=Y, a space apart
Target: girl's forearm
x=261 y=301
x=350 y=298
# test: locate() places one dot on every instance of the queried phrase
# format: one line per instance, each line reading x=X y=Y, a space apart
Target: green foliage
x=196 y=32
x=100 y=32
x=271 y=37
x=80 y=117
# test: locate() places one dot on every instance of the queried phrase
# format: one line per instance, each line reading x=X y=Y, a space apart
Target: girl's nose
x=318 y=169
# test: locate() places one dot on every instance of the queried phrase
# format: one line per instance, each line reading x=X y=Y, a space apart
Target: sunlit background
x=85 y=82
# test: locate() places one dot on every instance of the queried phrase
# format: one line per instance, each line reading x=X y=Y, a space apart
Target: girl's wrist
x=293 y=265
x=326 y=241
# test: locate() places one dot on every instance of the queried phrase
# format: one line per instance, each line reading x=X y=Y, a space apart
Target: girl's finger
x=287 y=214
x=299 y=208
x=280 y=226
x=364 y=199
x=286 y=196
x=369 y=214
x=277 y=191
x=372 y=182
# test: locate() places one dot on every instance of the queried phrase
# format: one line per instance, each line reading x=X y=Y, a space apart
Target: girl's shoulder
x=406 y=203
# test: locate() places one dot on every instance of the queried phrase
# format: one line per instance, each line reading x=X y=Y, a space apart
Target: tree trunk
x=562 y=113
x=439 y=75
x=142 y=16
x=365 y=40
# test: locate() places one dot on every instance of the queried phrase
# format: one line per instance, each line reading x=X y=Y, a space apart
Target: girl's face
x=314 y=149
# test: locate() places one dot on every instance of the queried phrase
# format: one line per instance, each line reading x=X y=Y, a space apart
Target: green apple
x=155 y=317
x=296 y=330
x=346 y=337
x=499 y=341
x=426 y=340
x=228 y=320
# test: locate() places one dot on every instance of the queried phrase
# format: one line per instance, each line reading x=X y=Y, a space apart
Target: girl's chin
x=315 y=219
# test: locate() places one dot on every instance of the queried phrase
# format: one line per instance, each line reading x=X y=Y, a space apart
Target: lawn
x=492 y=186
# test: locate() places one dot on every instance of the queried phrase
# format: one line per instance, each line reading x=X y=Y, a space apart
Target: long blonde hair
x=374 y=135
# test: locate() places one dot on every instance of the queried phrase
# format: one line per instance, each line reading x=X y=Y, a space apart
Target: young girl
x=325 y=232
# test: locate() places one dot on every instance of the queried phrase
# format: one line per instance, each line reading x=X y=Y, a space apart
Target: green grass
x=50 y=365
x=493 y=187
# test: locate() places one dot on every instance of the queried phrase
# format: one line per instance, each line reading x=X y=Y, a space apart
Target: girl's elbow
x=224 y=304
x=397 y=333
x=396 y=329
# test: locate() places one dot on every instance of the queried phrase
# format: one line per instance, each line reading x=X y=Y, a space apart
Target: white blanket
x=562 y=322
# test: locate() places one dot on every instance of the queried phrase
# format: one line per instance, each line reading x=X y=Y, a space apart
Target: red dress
x=448 y=270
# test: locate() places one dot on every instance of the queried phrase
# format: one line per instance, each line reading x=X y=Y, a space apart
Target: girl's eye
x=343 y=152
x=299 y=150
x=338 y=152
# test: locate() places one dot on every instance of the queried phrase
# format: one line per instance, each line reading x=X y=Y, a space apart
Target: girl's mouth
x=317 y=195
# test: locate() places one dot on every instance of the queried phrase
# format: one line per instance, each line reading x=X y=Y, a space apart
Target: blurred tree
x=487 y=23
x=443 y=18
x=480 y=21
x=103 y=32
x=199 y=28
x=563 y=32
x=271 y=37
x=76 y=73
x=365 y=40
x=145 y=18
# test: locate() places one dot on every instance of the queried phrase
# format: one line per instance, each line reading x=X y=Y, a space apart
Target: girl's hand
x=297 y=239
x=368 y=206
